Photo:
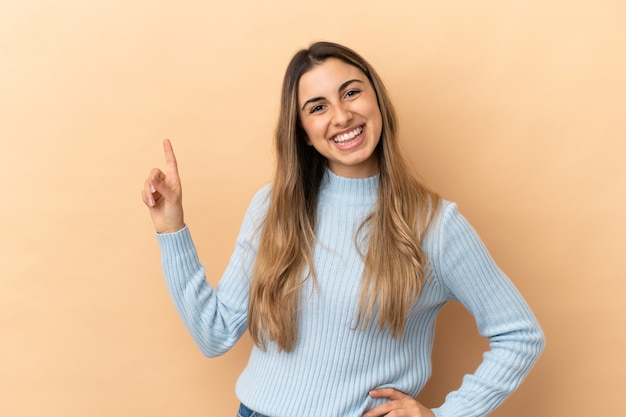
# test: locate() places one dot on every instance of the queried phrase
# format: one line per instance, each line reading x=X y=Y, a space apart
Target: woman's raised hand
x=400 y=405
x=162 y=193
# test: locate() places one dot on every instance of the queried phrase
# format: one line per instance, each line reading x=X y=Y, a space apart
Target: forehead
x=325 y=78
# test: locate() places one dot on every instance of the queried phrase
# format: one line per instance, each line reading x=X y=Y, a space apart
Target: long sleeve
x=515 y=337
x=334 y=365
x=215 y=317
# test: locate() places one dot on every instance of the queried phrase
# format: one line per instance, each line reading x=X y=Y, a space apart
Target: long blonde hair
x=395 y=264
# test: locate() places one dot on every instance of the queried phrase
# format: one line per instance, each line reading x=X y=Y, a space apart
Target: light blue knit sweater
x=334 y=365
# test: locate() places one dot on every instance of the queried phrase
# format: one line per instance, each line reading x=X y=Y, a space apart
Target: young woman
x=342 y=264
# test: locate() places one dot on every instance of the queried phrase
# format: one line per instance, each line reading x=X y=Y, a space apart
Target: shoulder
x=445 y=213
x=455 y=250
x=258 y=206
x=449 y=225
x=262 y=196
x=448 y=230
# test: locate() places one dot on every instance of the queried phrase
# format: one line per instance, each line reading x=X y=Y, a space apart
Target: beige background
x=513 y=109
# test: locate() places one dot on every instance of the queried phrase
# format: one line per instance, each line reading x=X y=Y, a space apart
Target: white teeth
x=344 y=137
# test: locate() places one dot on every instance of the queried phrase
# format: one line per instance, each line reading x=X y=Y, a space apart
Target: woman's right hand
x=162 y=193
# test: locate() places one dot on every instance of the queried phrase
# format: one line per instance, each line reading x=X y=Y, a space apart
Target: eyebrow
x=341 y=87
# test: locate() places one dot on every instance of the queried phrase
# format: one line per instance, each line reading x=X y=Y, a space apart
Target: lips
x=345 y=138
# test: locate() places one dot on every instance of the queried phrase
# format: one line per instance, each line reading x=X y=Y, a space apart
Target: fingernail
x=151 y=202
x=152 y=189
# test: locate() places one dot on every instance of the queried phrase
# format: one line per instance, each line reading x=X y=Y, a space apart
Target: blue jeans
x=246 y=412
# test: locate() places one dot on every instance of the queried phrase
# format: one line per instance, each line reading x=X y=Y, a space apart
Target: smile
x=345 y=138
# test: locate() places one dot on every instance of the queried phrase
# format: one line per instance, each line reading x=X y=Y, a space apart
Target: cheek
x=313 y=129
x=372 y=112
x=377 y=122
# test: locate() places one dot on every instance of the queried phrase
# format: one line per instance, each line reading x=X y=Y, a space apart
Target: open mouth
x=346 y=138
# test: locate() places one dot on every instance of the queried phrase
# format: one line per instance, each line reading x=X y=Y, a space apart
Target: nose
x=341 y=115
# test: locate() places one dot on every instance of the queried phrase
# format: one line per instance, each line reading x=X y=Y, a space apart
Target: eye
x=315 y=109
x=352 y=93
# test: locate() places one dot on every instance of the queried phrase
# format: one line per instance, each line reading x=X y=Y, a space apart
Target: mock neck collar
x=335 y=188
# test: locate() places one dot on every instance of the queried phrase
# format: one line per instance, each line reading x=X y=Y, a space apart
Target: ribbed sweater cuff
x=178 y=254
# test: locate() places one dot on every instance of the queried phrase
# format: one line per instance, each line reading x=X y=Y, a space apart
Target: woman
x=342 y=264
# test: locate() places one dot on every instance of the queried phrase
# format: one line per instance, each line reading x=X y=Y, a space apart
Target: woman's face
x=339 y=112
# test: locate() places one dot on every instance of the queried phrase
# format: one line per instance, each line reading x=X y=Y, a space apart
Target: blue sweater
x=334 y=365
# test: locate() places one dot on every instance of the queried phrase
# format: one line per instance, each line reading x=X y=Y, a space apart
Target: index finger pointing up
x=170 y=158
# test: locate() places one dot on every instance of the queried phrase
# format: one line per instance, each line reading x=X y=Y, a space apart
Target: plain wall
x=513 y=109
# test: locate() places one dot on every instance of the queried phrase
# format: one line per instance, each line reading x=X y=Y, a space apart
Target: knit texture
x=335 y=363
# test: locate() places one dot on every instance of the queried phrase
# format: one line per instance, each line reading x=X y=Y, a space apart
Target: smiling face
x=339 y=112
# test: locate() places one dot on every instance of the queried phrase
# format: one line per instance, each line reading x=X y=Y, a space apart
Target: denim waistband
x=246 y=412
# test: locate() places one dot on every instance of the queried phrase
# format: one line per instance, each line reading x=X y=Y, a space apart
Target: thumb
x=160 y=185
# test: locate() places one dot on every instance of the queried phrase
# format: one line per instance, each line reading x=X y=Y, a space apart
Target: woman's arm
x=502 y=315
x=216 y=318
